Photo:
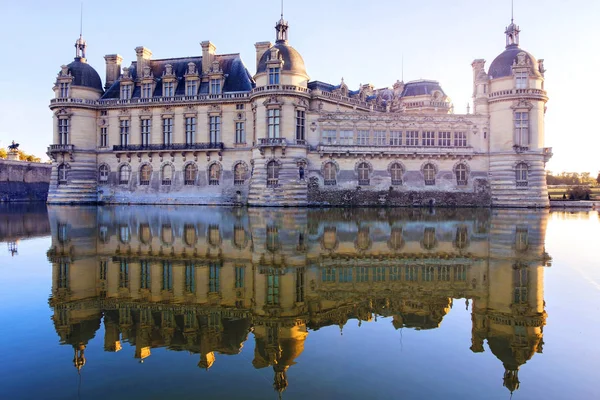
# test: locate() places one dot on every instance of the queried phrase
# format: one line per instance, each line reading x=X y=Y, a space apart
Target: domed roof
x=84 y=74
x=421 y=87
x=502 y=65
x=292 y=60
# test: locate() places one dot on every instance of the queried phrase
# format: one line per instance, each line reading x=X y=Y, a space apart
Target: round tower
x=73 y=150
x=513 y=93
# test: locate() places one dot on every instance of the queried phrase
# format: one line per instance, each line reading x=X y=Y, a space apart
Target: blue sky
x=361 y=41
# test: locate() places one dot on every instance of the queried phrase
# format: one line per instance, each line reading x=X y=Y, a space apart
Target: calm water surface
x=194 y=302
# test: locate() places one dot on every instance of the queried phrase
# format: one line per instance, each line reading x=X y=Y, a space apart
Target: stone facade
x=24 y=181
x=202 y=130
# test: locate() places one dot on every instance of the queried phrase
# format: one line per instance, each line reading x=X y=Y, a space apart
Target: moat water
x=206 y=302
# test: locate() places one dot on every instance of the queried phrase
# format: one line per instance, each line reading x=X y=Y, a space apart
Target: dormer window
x=146 y=90
x=125 y=92
x=215 y=86
x=168 y=89
x=274 y=75
x=521 y=79
x=64 y=90
x=191 y=88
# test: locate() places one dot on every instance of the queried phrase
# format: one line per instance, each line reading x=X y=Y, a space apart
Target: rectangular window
x=460 y=139
x=215 y=129
x=362 y=138
x=125 y=92
x=379 y=274
x=379 y=138
x=63 y=131
x=64 y=90
x=146 y=125
x=273 y=116
x=124 y=132
x=167 y=275
x=329 y=136
x=521 y=79
x=300 y=126
x=103 y=270
x=347 y=138
x=240 y=133
x=168 y=89
x=328 y=275
x=428 y=139
x=63 y=275
x=362 y=274
x=395 y=138
x=191 y=88
x=411 y=274
x=167 y=131
x=124 y=274
x=274 y=76
x=427 y=274
x=104 y=137
x=215 y=86
x=146 y=90
x=190 y=277
x=214 y=278
x=240 y=273
x=522 y=128
x=394 y=273
x=239 y=106
x=345 y=275
x=272 y=289
x=412 y=138
x=444 y=139
x=145 y=276
x=460 y=273
x=190 y=130
x=520 y=280
x=443 y=273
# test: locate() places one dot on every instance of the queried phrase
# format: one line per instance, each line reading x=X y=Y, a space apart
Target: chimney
x=113 y=69
x=477 y=65
x=261 y=47
x=208 y=55
x=143 y=57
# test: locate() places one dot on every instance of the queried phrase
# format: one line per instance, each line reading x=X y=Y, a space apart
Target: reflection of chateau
x=201 y=279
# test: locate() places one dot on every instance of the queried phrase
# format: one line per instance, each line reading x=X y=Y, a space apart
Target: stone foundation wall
x=24 y=181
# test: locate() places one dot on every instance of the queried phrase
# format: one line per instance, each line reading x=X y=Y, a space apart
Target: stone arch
x=461 y=171
x=214 y=172
x=431 y=162
x=103 y=172
x=363 y=161
x=190 y=173
x=165 y=178
x=429 y=170
x=276 y=160
x=145 y=173
x=124 y=171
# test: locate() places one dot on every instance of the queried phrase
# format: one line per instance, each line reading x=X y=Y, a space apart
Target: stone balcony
x=535 y=94
x=54 y=150
x=355 y=150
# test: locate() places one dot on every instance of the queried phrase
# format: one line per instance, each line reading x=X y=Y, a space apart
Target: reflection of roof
x=237 y=77
x=502 y=65
x=84 y=74
x=292 y=60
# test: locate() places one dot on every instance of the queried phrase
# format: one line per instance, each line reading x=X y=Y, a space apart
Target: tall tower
x=512 y=94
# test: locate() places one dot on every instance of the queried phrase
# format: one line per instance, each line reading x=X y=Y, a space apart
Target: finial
x=281 y=28
x=81 y=20
x=402 y=67
x=512 y=7
x=281 y=9
x=80 y=43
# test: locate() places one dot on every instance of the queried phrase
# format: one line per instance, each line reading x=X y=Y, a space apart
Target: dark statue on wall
x=14 y=146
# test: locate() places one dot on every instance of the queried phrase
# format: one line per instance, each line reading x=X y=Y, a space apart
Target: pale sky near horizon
x=361 y=41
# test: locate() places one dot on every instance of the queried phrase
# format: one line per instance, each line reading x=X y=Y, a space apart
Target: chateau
x=176 y=278
x=204 y=130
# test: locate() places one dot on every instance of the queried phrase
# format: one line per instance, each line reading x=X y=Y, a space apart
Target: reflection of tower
x=12 y=248
x=79 y=357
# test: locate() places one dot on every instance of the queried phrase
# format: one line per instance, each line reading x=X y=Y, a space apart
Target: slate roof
x=84 y=74
x=420 y=88
x=502 y=65
x=292 y=60
x=237 y=77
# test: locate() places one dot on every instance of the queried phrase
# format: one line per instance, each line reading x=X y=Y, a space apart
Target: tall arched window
x=363 y=173
x=103 y=172
x=429 y=240
x=329 y=174
x=239 y=174
x=521 y=171
x=214 y=174
x=145 y=174
x=272 y=174
x=62 y=174
x=429 y=174
x=191 y=171
x=124 y=174
x=167 y=174
x=396 y=171
x=461 y=174
x=396 y=242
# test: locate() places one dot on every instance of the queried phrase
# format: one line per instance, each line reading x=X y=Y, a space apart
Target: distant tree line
x=22 y=156
x=572 y=178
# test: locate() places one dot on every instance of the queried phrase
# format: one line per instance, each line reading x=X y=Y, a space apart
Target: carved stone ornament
x=522 y=58
x=64 y=71
x=215 y=68
x=124 y=112
x=522 y=104
x=126 y=73
x=147 y=73
x=191 y=68
x=168 y=69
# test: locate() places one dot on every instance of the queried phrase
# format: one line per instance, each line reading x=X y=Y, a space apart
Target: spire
x=512 y=30
x=80 y=43
x=282 y=28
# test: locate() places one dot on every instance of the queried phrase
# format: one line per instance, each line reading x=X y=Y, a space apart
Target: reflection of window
x=166 y=234
x=460 y=273
x=396 y=241
x=239 y=236
x=345 y=275
x=427 y=274
x=429 y=240
x=362 y=239
x=461 y=240
x=272 y=288
x=328 y=275
x=103 y=233
x=362 y=274
x=214 y=235
x=272 y=238
x=214 y=278
x=379 y=274
x=145 y=234
x=329 y=238
x=394 y=273
x=521 y=239
x=520 y=280
x=299 y=285
x=443 y=273
x=145 y=275
x=124 y=274
x=63 y=275
x=103 y=270
x=240 y=273
x=190 y=277
x=189 y=234
x=63 y=233
x=124 y=236
x=167 y=275
x=411 y=274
